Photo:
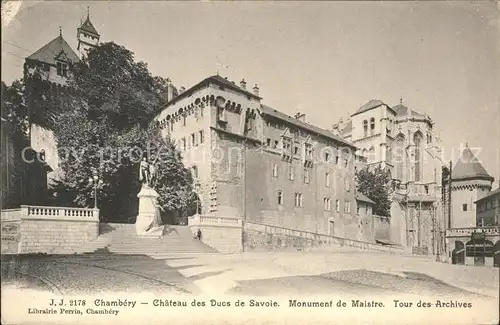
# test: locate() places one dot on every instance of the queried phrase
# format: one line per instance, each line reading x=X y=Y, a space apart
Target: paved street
x=250 y=274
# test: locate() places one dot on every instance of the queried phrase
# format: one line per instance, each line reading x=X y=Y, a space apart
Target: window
x=327 y=204
x=296 y=150
x=327 y=157
x=183 y=143
x=276 y=142
x=346 y=163
x=275 y=170
x=221 y=114
x=184 y=120
x=337 y=159
x=426 y=188
x=280 y=197
x=202 y=136
x=201 y=110
x=290 y=172
x=347 y=207
x=365 y=128
x=268 y=142
x=357 y=208
x=298 y=200
x=464 y=207
x=347 y=183
x=195 y=172
x=372 y=125
x=287 y=144
x=172 y=126
x=62 y=69
x=327 y=179
x=309 y=151
x=306 y=175
x=337 y=205
x=193 y=139
x=417 y=139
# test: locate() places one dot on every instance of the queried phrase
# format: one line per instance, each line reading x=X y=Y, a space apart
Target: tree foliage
x=108 y=129
x=375 y=184
x=14 y=108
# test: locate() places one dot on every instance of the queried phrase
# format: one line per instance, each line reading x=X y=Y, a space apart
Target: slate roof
x=490 y=194
x=402 y=111
x=314 y=129
x=363 y=198
x=374 y=103
x=347 y=128
x=88 y=27
x=469 y=167
x=53 y=49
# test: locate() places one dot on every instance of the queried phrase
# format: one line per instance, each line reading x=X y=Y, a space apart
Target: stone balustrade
x=223 y=234
x=46 y=229
x=199 y=220
x=467 y=232
x=60 y=213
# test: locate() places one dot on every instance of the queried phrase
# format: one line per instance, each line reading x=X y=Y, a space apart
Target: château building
x=46 y=75
x=404 y=143
x=255 y=162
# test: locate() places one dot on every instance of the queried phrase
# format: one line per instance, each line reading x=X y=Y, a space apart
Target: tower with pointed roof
x=470 y=182
x=87 y=36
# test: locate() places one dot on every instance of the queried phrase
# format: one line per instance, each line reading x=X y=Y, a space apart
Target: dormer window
x=62 y=69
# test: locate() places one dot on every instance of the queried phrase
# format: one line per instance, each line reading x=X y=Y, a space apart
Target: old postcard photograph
x=250 y=162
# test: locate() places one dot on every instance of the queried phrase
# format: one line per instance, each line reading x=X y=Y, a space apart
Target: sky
x=324 y=59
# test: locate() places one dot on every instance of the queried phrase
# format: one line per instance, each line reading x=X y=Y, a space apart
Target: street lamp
x=95 y=181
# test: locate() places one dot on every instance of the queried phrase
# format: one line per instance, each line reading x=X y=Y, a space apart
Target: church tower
x=87 y=35
x=470 y=182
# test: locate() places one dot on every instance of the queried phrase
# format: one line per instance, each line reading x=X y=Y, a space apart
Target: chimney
x=256 y=90
x=301 y=117
x=243 y=84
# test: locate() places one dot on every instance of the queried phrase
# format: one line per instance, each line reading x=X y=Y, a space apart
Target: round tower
x=470 y=182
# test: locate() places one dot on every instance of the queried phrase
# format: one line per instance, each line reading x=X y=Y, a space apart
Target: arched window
x=417 y=139
x=372 y=125
x=365 y=128
x=371 y=154
x=399 y=156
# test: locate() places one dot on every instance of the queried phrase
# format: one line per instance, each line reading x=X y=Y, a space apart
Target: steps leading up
x=122 y=239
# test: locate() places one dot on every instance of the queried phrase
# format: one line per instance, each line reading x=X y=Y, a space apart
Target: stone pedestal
x=145 y=224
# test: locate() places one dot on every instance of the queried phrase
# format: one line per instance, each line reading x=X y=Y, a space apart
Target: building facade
x=404 y=143
x=257 y=163
x=46 y=75
x=473 y=237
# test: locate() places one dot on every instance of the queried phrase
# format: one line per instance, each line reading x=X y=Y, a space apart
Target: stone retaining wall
x=51 y=230
x=259 y=237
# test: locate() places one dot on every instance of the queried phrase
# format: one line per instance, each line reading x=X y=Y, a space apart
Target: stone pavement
x=216 y=274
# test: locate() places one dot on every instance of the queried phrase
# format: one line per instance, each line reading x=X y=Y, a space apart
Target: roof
x=215 y=79
x=489 y=195
x=53 y=49
x=401 y=110
x=363 y=198
x=88 y=27
x=347 y=128
x=374 y=103
x=469 y=167
x=284 y=117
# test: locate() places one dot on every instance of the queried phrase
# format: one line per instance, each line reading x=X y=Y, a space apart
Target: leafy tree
x=375 y=184
x=108 y=129
x=14 y=108
x=116 y=86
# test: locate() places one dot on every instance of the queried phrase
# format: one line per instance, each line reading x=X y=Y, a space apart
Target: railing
x=47 y=212
x=320 y=238
x=11 y=214
x=199 y=220
x=489 y=231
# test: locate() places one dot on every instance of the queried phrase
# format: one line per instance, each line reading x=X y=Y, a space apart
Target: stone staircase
x=122 y=239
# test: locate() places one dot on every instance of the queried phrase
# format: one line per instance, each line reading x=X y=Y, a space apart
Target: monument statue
x=148 y=222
